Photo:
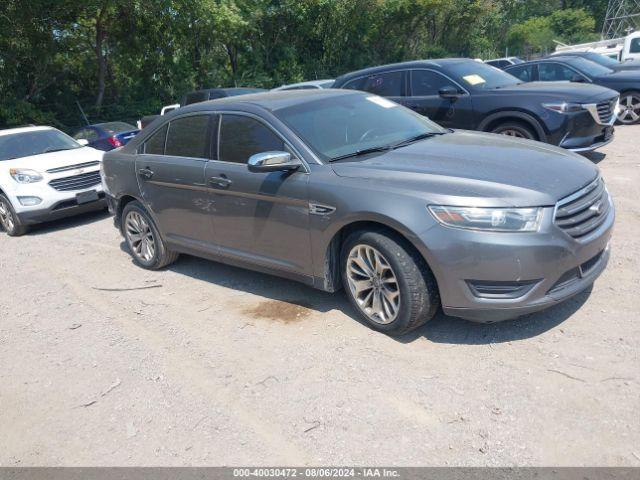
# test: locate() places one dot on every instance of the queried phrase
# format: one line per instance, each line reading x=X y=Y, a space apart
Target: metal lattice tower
x=623 y=16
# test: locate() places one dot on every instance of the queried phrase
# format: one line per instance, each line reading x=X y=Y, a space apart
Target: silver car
x=343 y=189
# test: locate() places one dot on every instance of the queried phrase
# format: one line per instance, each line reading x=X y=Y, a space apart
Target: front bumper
x=550 y=264
x=580 y=131
x=553 y=297
x=584 y=134
x=62 y=209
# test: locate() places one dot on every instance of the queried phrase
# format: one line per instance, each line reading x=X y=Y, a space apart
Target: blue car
x=106 y=136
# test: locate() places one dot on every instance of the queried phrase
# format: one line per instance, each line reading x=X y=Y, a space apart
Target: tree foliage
x=120 y=59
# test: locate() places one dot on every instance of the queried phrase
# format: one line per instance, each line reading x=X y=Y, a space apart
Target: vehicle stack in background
x=462 y=93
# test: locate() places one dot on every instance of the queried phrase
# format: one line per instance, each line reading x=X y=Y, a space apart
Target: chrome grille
x=73 y=167
x=584 y=211
x=76 y=182
x=606 y=110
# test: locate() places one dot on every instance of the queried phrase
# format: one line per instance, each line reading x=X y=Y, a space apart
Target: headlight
x=490 y=219
x=563 y=107
x=24 y=175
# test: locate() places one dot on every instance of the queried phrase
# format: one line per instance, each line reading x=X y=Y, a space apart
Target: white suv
x=44 y=175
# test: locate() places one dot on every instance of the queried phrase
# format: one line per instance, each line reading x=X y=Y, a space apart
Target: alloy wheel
x=140 y=236
x=512 y=132
x=629 y=109
x=373 y=284
x=6 y=217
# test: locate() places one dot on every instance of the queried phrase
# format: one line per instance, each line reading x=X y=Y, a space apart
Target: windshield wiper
x=417 y=138
x=364 y=151
x=50 y=150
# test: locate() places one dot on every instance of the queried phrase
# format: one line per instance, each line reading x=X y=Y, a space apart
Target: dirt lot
x=206 y=364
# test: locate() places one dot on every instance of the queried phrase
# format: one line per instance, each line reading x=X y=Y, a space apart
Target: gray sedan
x=342 y=189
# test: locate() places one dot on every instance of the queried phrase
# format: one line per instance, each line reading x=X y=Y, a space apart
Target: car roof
x=440 y=62
x=11 y=131
x=270 y=100
x=227 y=90
x=545 y=59
x=308 y=82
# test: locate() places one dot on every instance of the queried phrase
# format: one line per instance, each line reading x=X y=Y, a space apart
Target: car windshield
x=344 y=125
x=601 y=59
x=480 y=75
x=116 y=127
x=35 y=142
x=588 y=67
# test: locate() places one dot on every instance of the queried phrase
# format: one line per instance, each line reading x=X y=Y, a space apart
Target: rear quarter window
x=155 y=144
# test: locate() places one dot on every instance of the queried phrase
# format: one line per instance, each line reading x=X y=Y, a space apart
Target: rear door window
x=385 y=84
x=188 y=137
x=524 y=73
x=155 y=144
x=555 y=72
x=355 y=84
x=241 y=137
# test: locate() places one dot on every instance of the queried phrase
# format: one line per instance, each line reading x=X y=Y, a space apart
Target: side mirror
x=83 y=141
x=577 y=79
x=449 y=91
x=272 y=162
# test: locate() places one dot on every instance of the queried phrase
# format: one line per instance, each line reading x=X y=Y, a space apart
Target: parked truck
x=622 y=49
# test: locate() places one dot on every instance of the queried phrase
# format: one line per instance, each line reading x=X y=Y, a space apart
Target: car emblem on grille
x=596 y=208
x=79 y=171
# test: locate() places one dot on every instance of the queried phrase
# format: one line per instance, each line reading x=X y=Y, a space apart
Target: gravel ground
x=204 y=364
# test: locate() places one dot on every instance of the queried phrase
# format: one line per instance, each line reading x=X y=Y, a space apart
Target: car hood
x=48 y=161
x=628 y=65
x=471 y=168
x=626 y=76
x=566 y=91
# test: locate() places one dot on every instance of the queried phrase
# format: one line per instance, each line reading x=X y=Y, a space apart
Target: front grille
x=606 y=110
x=584 y=211
x=73 y=167
x=76 y=182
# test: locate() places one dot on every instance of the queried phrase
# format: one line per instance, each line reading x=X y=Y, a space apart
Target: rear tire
x=630 y=105
x=143 y=239
x=515 y=129
x=388 y=282
x=9 y=221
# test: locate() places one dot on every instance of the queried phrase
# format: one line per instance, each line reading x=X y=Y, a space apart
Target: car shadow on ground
x=69 y=222
x=441 y=329
x=595 y=157
x=445 y=329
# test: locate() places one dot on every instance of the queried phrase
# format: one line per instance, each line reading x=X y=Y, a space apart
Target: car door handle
x=220 y=182
x=145 y=173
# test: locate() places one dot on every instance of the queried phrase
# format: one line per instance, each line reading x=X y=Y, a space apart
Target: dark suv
x=345 y=189
x=575 y=69
x=463 y=93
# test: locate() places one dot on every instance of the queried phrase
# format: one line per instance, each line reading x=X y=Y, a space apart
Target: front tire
x=630 y=108
x=146 y=246
x=388 y=282
x=9 y=221
x=515 y=129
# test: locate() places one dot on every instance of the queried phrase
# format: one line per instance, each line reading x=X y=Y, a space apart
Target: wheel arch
x=491 y=121
x=331 y=279
x=121 y=203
